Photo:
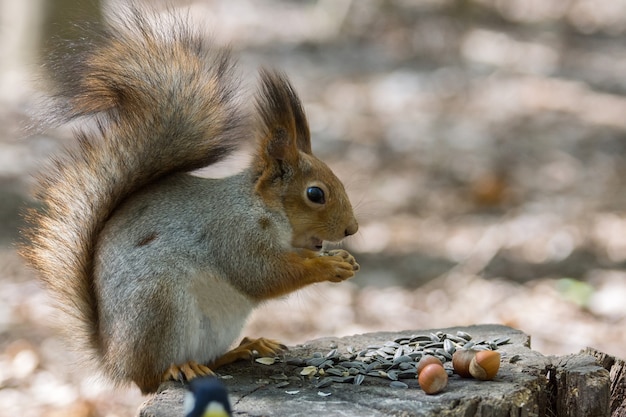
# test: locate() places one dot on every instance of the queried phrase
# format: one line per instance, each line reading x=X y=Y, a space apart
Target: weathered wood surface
x=617 y=373
x=528 y=384
x=581 y=387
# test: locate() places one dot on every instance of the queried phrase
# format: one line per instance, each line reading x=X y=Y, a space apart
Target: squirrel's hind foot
x=186 y=372
x=248 y=349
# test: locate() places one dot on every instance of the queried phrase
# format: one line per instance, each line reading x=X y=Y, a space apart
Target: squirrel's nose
x=352 y=228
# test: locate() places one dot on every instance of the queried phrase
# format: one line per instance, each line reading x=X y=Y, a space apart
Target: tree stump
x=617 y=373
x=527 y=384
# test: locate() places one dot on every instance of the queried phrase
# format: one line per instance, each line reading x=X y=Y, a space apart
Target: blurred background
x=482 y=143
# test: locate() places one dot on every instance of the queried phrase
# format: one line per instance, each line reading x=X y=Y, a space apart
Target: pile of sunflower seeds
x=394 y=360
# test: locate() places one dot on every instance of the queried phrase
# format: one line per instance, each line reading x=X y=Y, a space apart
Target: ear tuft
x=282 y=126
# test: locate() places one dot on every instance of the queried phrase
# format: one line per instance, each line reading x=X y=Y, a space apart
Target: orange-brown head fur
x=290 y=177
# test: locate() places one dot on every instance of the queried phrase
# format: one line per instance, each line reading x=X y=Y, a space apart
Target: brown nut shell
x=427 y=360
x=461 y=360
x=433 y=378
x=485 y=365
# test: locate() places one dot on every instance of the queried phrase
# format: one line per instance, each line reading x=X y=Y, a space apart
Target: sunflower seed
x=315 y=361
x=326 y=364
x=335 y=372
x=342 y=379
x=441 y=352
x=266 y=360
x=405 y=366
x=456 y=339
x=407 y=374
x=399 y=352
x=387 y=350
x=352 y=364
x=331 y=354
x=393 y=375
x=309 y=370
x=372 y=366
x=398 y=384
x=464 y=335
x=419 y=338
x=325 y=382
x=394 y=359
x=402 y=359
x=449 y=346
x=502 y=341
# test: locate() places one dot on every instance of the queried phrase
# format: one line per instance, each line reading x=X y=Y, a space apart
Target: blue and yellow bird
x=207 y=397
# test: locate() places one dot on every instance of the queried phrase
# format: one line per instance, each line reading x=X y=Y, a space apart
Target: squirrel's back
x=162 y=100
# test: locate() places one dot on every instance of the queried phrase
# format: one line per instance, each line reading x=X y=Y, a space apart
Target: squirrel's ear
x=280 y=145
x=282 y=126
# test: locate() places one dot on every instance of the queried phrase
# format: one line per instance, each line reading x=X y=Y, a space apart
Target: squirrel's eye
x=315 y=195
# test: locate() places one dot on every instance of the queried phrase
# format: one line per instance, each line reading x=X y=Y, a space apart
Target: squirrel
x=156 y=269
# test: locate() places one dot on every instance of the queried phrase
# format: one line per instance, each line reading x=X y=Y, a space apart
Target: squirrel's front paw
x=343 y=264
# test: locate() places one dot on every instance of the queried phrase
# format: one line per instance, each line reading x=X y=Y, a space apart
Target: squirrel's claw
x=262 y=346
x=248 y=349
x=345 y=266
x=186 y=372
x=347 y=257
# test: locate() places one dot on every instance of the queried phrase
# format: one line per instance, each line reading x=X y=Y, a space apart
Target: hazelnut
x=433 y=378
x=485 y=364
x=461 y=361
x=427 y=360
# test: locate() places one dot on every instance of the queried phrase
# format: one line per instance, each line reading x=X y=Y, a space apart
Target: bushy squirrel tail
x=161 y=100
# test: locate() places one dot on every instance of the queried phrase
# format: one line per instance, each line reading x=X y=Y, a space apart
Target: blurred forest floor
x=483 y=145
